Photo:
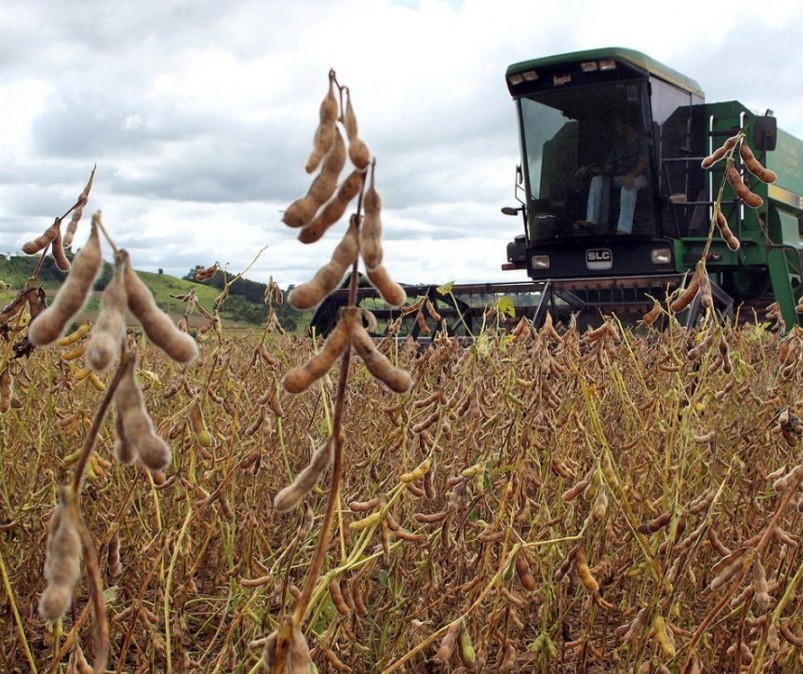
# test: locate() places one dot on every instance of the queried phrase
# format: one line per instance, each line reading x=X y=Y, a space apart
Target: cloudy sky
x=200 y=114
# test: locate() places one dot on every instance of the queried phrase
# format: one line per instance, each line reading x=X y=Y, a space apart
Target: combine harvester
x=566 y=109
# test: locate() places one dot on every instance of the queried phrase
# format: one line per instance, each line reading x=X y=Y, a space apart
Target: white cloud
x=22 y=100
x=200 y=114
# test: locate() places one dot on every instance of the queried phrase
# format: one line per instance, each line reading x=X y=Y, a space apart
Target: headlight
x=540 y=261
x=661 y=256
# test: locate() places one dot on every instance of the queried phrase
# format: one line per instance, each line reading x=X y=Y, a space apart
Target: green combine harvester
x=568 y=106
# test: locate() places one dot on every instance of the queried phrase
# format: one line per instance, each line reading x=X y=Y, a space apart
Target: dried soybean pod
x=289 y=497
x=333 y=209
x=761 y=594
x=507 y=658
x=728 y=567
x=583 y=571
x=574 y=491
x=656 y=524
x=448 y=642
x=725 y=231
x=357 y=598
x=198 y=426
x=633 y=629
x=109 y=331
x=35 y=299
x=302 y=210
x=755 y=167
x=78 y=210
x=396 y=379
x=321 y=144
x=327 y=113
x=6 y=389
x=359 y=154
x=123 y=450
x=336 y=594
x=274 y=404
x=429 y=484
x=523 y=570
x=431 y=518
x=792 y=479
x=62 y=562
x=324 y=134
x=337 y=664
x=349 y=119
x=391 y=291
x=79 y=662
x=433 y=312
x=72 y=226
x=179 y=345
x=137 y=426
x=371 y=228
x=43 y=240
x=54 y=602
x=652 y=315
x=225 y=506
x=299 y=656
x=49 y=325
x=57 y=249
x=688 y=294
x=327 y=278
x=302 y=377
x=724 y=352
x=256 y=424
x=720 y=152
x=286 y=645
x=325 y=183
x=113 y=560
x=205 y=273
x=269 y=651
x=364 y=506
x=422 y=323
x=747 y=195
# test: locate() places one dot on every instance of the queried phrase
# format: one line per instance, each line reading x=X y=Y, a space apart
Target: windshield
x=579 y=146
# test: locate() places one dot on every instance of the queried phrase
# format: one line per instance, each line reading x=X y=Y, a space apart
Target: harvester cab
x=615 y=204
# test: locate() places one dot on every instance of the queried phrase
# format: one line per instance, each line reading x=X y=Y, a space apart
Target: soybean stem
x=337 y=470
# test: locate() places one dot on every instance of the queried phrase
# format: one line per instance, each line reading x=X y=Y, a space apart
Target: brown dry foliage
x=506 y=416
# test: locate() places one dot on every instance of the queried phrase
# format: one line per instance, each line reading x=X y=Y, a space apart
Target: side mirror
x=509 y=210
x=765 y=133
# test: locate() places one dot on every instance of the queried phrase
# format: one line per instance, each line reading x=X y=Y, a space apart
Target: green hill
x=239 y=307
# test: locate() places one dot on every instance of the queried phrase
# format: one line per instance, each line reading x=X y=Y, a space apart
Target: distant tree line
x=246 y=300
